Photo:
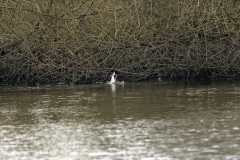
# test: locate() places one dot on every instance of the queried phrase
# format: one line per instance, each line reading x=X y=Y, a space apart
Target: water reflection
x=134 y=121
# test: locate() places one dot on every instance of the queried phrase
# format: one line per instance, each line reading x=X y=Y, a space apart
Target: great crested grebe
x=114 y=79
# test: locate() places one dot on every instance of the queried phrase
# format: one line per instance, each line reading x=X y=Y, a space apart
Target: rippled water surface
x=136 y=121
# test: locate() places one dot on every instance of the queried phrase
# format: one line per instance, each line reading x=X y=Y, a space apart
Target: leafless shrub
x=82 y=41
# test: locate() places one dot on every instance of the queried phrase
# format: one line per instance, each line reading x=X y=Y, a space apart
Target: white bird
x=114 y=79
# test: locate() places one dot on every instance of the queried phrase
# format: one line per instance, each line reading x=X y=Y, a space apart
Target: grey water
x=148 y=121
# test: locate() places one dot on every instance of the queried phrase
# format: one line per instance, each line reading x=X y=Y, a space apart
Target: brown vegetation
x=52 y=41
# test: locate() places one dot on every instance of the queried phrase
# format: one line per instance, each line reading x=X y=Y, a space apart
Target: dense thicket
x=52 y=41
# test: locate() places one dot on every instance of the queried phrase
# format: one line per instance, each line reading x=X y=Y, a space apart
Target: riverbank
x=82 y=42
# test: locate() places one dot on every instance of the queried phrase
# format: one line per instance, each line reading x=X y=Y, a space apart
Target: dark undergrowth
x=74 y=42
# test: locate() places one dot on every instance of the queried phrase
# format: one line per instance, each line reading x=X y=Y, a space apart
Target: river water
x=148 y=121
